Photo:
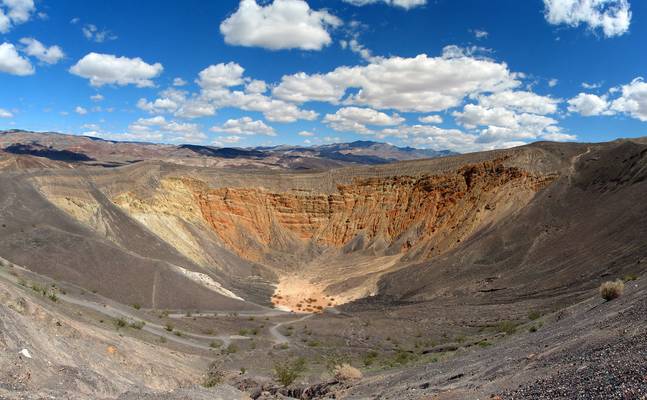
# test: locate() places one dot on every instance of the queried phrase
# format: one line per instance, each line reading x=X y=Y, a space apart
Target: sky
x=462 y=75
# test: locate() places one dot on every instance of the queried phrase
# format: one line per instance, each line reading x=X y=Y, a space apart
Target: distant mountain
x=84 y=150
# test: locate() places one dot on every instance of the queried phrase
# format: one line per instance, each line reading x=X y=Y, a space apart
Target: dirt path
x=118 y=311
x=280 y=338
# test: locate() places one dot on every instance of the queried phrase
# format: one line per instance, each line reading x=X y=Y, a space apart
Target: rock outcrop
x=393 y=214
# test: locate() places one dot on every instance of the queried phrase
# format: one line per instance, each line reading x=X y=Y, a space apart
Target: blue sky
x=464 y=75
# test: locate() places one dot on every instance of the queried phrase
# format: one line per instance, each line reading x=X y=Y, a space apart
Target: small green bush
x=137 y=324
x=507 y=327
x=214 y=375
x=288 y=371
x=137 y=306
x=534 y=315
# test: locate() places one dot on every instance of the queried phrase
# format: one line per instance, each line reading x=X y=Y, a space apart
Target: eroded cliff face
x=395 y=214
x=341 y=242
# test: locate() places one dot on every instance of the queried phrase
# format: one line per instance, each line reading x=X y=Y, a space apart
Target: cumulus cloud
x=80 y=110
x=355 y=119
x=282 y=24
x=406 y=4
x=306 y=134
x=221 y=76
x=179 y=82
x=431 y=119
x=220 y=86
x=521 y=101
x=14 y=12
x=97 y=97
x=418 y=84
x=589 y=105
x=49 y=55
x=158 y=128
x=13 y=63
x=106 y=69
x=612 y=16
x=5 y=113
x=245 y=126
x=633 y=100
x=255 y=86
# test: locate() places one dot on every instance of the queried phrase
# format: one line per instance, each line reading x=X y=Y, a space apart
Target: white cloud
x=355 y=119
x=14 y=12
x=406 y=4
x=97 y=97
x=431 y=119
x=503 y=121
x=633 y=100
x=356 y=47
x=220 y=76
x=104 y=69
x=226 y=140
x=591 y=86
x=5 y=113
x=521 y=101
x=480 y=34
x=306 y=134
x=255 y=86
x=589 y=105
x=553 y=82
x=612 y=16
x=179 y=82
x=283 y=24
x=558 y=137
x=91 y=32
x=418 y=84
x=159 y=129
x=12 y=63
x=474 y=115
x=159 y=106
x=433 y=137
x=80 y=110
x=49 y=55
x=245 y=126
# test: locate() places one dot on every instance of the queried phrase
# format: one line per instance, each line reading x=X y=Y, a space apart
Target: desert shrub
x=231 y=349
x=169 y=327
x=532 y=329
x=53 y=297
x=137 y=324
x=533 y=315
x=214 y=375
x=215 y=344
x=288 y=371
x=484 y=343
x=346 y=372
x=507 y=327
x=370 y=357
x=137 y=306
x=630 y=277
x=120 y=323
x=612 y=290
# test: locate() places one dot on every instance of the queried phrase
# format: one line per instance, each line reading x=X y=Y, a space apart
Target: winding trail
x=117 y=311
